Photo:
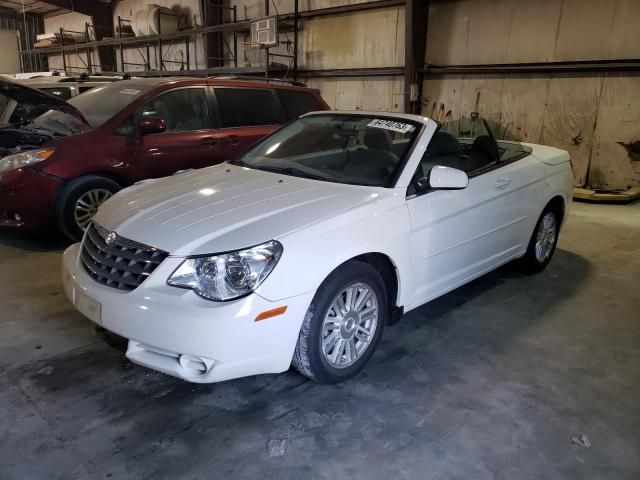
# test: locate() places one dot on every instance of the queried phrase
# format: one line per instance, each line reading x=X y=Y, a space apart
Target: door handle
x=502 y=182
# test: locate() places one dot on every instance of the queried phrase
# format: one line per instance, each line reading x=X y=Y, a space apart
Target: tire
x=541 y=245
x=83 y=194
x=314 y=361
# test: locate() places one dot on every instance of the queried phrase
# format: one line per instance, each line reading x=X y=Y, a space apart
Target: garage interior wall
x=190 y=10
x=9 y=54
x=364 y=39
x=595 y=117
x=69 y=21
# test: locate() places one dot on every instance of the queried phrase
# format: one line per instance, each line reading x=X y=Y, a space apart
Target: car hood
x=24 y=95
x=224 y=208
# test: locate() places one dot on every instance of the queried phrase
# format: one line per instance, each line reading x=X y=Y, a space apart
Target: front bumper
x=178 y=333
x=27 y=197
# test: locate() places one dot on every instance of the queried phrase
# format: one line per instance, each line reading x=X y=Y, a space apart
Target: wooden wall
x=364 y=39
x=591 y=116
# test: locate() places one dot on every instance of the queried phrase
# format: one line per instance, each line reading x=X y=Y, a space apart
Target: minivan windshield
x=342 y=148
x=101 y=103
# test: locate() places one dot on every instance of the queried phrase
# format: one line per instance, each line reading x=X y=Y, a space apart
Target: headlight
x=227 y=276
x=22 y=159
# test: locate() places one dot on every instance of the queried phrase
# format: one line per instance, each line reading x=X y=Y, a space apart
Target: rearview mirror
x=447 y=178
x=151 y=125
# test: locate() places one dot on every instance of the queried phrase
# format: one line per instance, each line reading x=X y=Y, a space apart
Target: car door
x=520 y=179
x=245 y=115
x=189 y=141
x=458 y=235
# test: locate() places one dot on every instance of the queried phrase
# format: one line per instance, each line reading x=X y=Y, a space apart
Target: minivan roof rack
x=257 y=79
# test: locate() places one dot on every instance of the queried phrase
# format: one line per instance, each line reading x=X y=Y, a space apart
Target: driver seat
x=377 y=159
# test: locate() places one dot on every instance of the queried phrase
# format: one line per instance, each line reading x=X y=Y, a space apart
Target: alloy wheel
x=87 y=206
x=349 y=325
x=546 y=237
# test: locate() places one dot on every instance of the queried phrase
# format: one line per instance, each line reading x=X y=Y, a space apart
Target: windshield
x=101 y=103
x=343 y=148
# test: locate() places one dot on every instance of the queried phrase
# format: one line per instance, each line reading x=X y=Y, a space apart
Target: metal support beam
x=416 y=17
x=296 y=27
x=213 y=15
x=102 y=18
x=582 y=67
x=339 y=10
x=353 y=72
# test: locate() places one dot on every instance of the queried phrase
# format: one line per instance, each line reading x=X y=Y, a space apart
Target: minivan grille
x=117 y=262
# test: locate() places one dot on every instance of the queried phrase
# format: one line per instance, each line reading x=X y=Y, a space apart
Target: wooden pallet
x=601 y=196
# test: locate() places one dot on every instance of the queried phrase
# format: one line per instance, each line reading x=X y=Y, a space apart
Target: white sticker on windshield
x=391 y=125
x=130 y=91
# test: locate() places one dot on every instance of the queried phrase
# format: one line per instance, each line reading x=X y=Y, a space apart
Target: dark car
x=62 y=160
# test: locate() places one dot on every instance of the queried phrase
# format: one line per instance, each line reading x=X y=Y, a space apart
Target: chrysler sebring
x=300 y=250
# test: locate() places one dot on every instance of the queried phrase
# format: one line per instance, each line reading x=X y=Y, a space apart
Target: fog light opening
x=195 y=366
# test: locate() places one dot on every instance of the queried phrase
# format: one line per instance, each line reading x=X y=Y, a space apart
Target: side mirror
x=447 y=178
x=150 y=125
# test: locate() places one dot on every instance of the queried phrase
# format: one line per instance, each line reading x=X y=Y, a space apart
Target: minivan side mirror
x=150 y=125
x=447 y=178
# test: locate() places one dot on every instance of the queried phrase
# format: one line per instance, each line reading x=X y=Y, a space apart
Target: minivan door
x=189 y=140
x=245 y=115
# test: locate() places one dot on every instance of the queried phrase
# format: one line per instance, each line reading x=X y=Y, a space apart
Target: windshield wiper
x=295 y=172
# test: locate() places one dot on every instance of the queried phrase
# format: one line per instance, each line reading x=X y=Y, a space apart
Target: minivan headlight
x=22 y=159
x=227 y=276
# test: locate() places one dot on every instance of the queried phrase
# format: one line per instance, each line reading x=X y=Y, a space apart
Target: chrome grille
x=117 y=262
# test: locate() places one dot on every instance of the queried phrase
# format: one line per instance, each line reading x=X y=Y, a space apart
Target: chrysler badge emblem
x=109 y=239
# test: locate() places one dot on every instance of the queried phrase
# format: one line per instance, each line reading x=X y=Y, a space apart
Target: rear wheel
x=79 y=201
x=543 y=242
x=343 y=325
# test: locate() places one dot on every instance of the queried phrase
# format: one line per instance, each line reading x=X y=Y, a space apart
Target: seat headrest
x=377 y=139
x=485 y=145
x=444 y=143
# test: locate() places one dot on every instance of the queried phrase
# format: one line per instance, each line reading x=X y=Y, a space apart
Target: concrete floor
x=490 y=381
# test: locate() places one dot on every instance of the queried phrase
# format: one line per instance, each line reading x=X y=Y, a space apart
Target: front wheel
x=79 y=201
x=343 y=325
x=543 y=242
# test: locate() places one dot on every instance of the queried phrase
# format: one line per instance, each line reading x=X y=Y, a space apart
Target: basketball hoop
x=254 y=54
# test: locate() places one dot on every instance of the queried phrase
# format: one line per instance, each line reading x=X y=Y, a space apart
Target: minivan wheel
x=542 y=244
x=79 y=201
x=343 y=325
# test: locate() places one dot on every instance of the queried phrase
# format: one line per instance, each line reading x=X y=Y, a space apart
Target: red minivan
x=60 y=160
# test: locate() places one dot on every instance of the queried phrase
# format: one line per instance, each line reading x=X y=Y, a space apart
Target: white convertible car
x=302 y=249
